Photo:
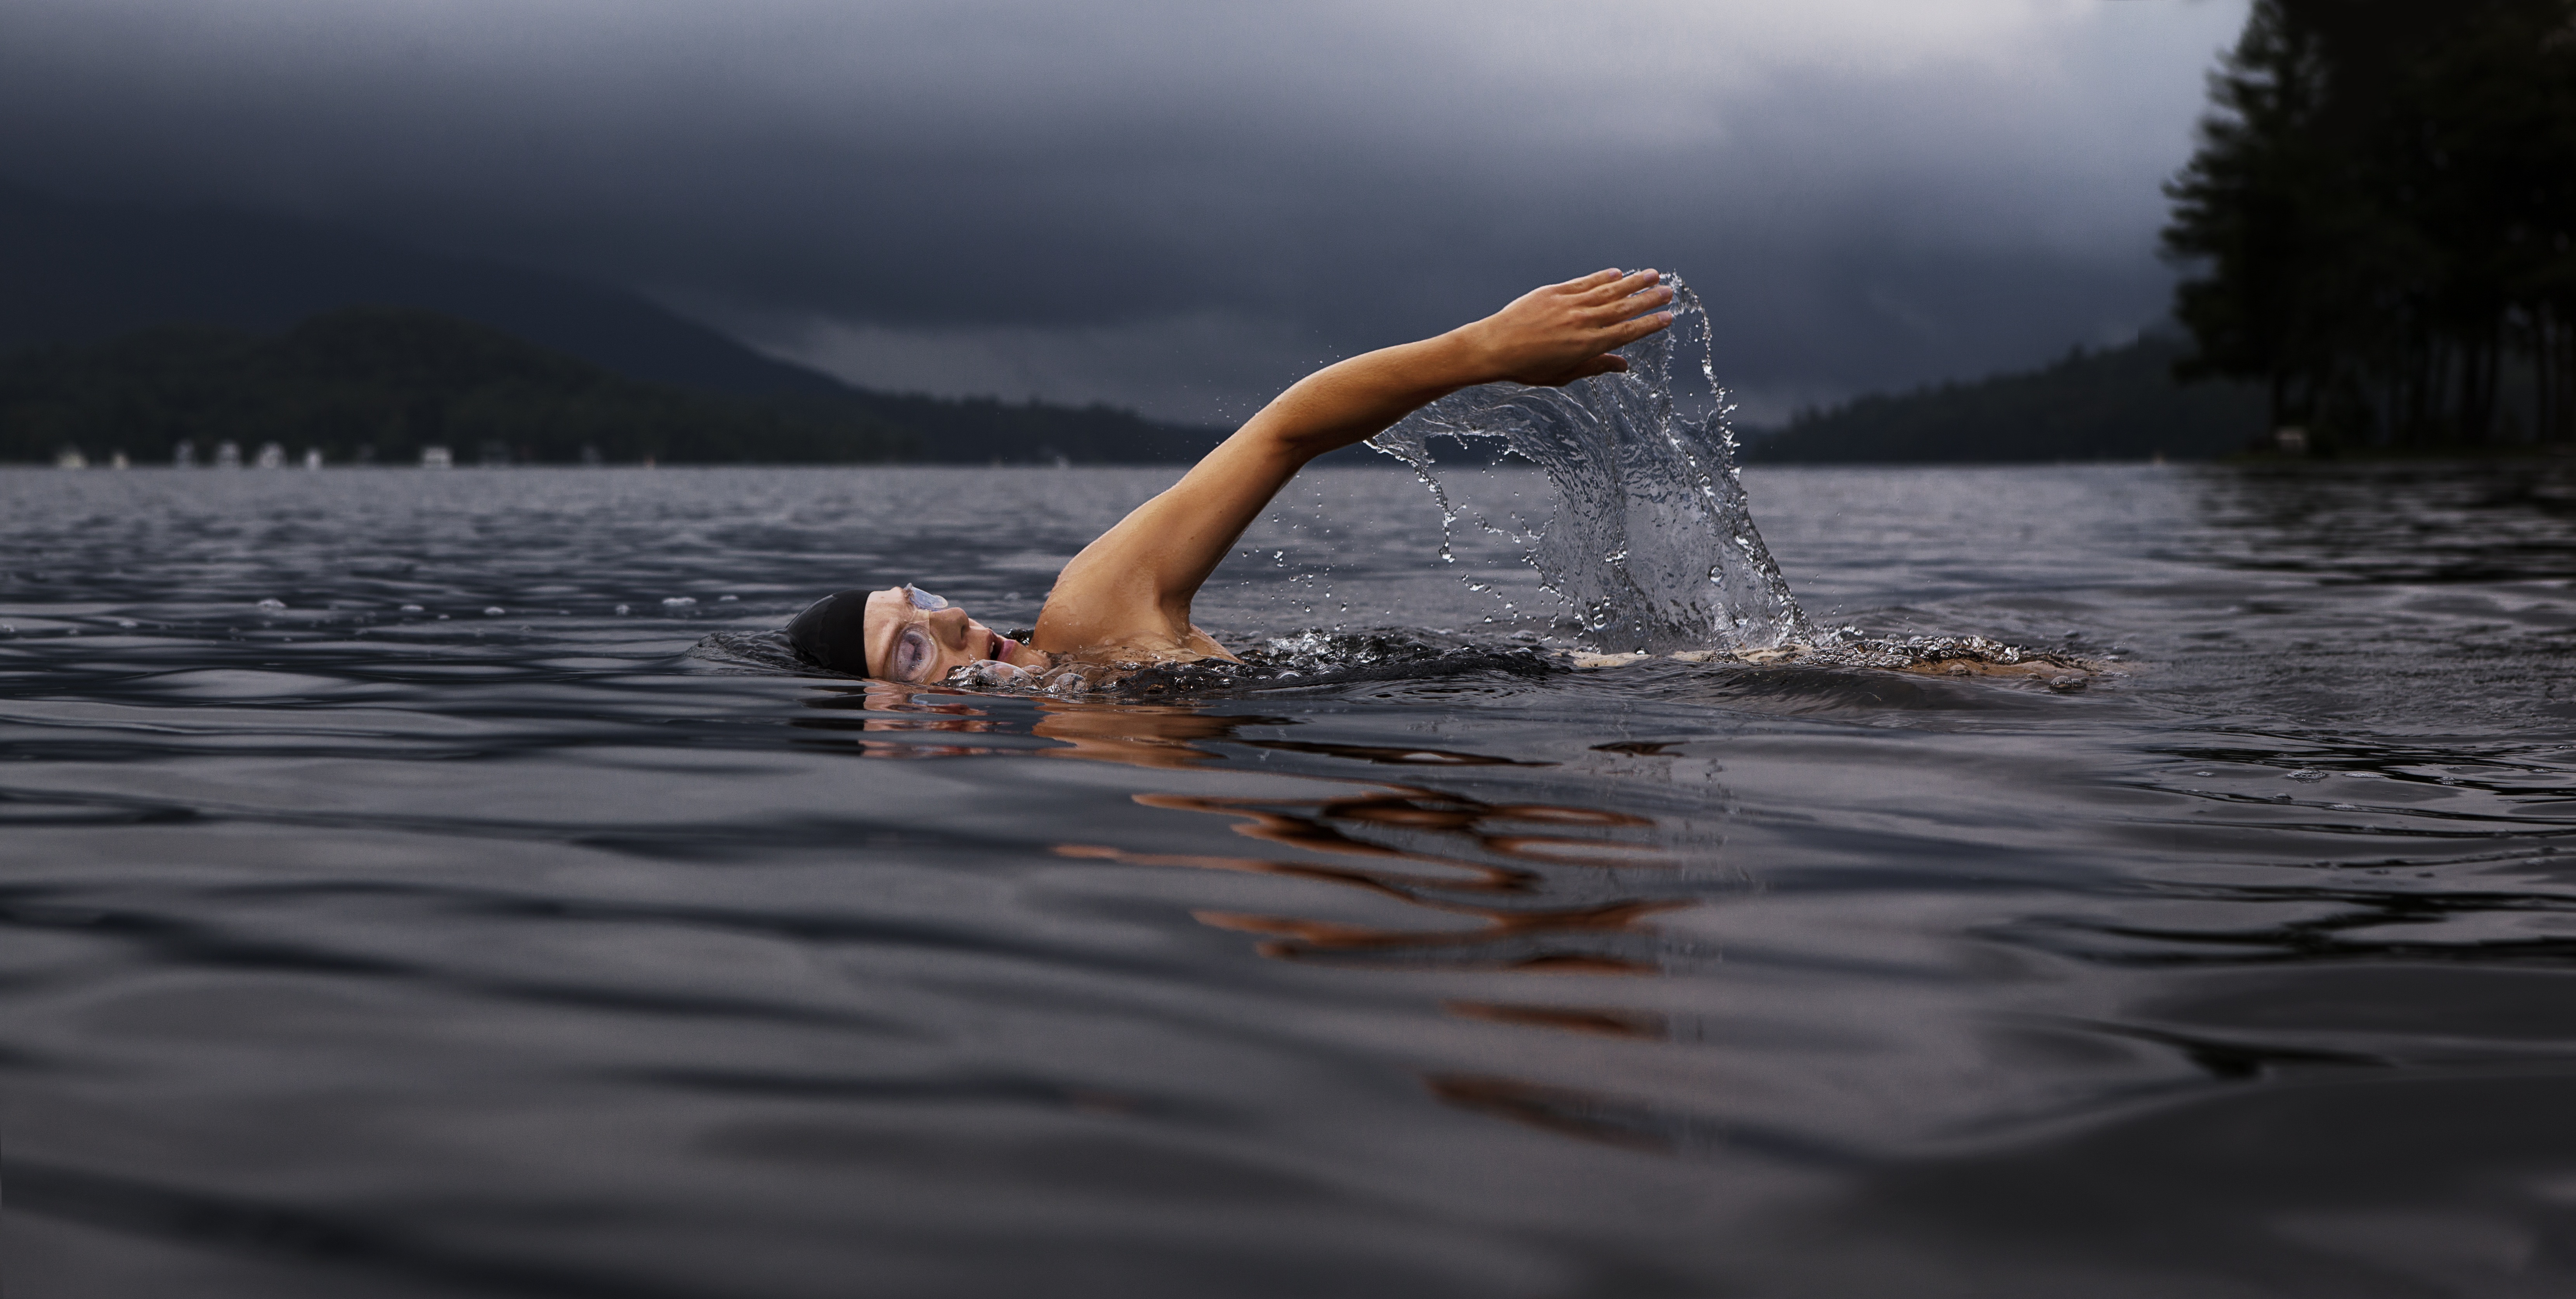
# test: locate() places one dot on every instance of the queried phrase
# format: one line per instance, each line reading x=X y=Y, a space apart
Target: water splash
x=1300 y=661
x=1652 y=544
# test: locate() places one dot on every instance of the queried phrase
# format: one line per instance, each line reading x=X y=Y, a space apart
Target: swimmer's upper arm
x=1138 y=578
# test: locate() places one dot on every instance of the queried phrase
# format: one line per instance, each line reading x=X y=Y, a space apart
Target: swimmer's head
x=901 y=633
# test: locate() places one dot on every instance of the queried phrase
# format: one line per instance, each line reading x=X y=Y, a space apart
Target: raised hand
x=1555 y=335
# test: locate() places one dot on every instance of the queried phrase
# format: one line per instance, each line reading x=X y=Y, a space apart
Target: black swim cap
x=832 y=632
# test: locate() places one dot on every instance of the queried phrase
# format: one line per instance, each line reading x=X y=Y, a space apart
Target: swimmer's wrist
x=1466 y=356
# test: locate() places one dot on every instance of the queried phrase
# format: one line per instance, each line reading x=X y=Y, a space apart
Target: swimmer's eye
x=914 y=652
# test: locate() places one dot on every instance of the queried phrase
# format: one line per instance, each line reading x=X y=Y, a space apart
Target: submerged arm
x=1136 y=581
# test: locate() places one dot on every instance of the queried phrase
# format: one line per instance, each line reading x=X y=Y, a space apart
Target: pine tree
x=2382 y=212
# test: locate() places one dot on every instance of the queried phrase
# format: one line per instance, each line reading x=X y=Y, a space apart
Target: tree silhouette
x=2382 y=215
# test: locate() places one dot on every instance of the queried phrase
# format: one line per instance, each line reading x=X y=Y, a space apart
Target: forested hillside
x=2116 y=404
x=377 y=384
x=380 y=384
x=119 y=325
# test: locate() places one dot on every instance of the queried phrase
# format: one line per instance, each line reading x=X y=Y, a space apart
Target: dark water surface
x=507 y=947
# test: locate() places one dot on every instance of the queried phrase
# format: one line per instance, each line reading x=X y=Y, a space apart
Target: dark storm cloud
x=1180 y=204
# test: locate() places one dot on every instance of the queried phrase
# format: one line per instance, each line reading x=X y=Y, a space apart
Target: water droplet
x=411 y=608
x=272 y=604
x=621 y=611
x=678 y=601
x=493 y=611
x=722 y=599
x=2307 y=773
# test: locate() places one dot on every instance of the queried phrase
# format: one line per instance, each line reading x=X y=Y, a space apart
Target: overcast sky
x=1180 y=206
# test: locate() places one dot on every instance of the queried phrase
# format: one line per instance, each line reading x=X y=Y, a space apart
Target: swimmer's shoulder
x=1140 y=642
x=1133 y=652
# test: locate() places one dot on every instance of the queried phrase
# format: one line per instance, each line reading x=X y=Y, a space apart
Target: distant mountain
x=381 y=384
x=82 y=273
x=2116 y=404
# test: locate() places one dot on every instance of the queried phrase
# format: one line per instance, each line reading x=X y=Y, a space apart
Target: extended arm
x=1134 y=584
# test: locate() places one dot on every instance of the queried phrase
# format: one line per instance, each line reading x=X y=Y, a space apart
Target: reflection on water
x=1531 y=888
x=360 y=942
x=1519 y=894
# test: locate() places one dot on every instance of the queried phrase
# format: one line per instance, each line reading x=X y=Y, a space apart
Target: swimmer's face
x=915 y=636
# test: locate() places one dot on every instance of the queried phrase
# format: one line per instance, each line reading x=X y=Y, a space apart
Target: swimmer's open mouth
x=1003 y=647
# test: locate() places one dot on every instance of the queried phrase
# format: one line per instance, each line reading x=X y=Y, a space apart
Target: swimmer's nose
x=951 y=624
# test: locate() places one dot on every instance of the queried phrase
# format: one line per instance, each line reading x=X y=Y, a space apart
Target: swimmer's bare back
x=1127 y=595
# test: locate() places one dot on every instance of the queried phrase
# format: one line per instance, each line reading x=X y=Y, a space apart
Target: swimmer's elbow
x=1290 y=434
x=1364 y=396
x=1281 y=445
x=1293 y=447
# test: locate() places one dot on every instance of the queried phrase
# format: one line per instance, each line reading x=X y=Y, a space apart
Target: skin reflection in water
x=1134 y=735
x=1137 y=735
x=1513 y=887
x=895 y=710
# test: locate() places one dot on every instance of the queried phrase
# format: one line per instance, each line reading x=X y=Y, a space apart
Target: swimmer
x=1124 y=601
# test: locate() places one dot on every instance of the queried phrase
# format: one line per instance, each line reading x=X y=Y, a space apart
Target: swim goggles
x=914 y=652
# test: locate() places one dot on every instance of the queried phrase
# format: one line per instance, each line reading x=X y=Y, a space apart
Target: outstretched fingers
x=1630 y=330
x=1617 y=286
x=1561 y=333
x=1595 y=280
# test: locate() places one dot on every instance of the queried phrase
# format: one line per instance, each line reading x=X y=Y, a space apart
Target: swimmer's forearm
x=1355 y=400
x=1550 y=336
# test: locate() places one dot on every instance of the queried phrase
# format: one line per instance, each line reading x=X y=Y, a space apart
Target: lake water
x=516 y=945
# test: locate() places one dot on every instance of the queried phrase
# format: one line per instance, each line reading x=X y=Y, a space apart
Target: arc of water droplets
x=1652 y=544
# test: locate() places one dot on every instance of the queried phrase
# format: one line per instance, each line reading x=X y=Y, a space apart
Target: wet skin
x=953 y=640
